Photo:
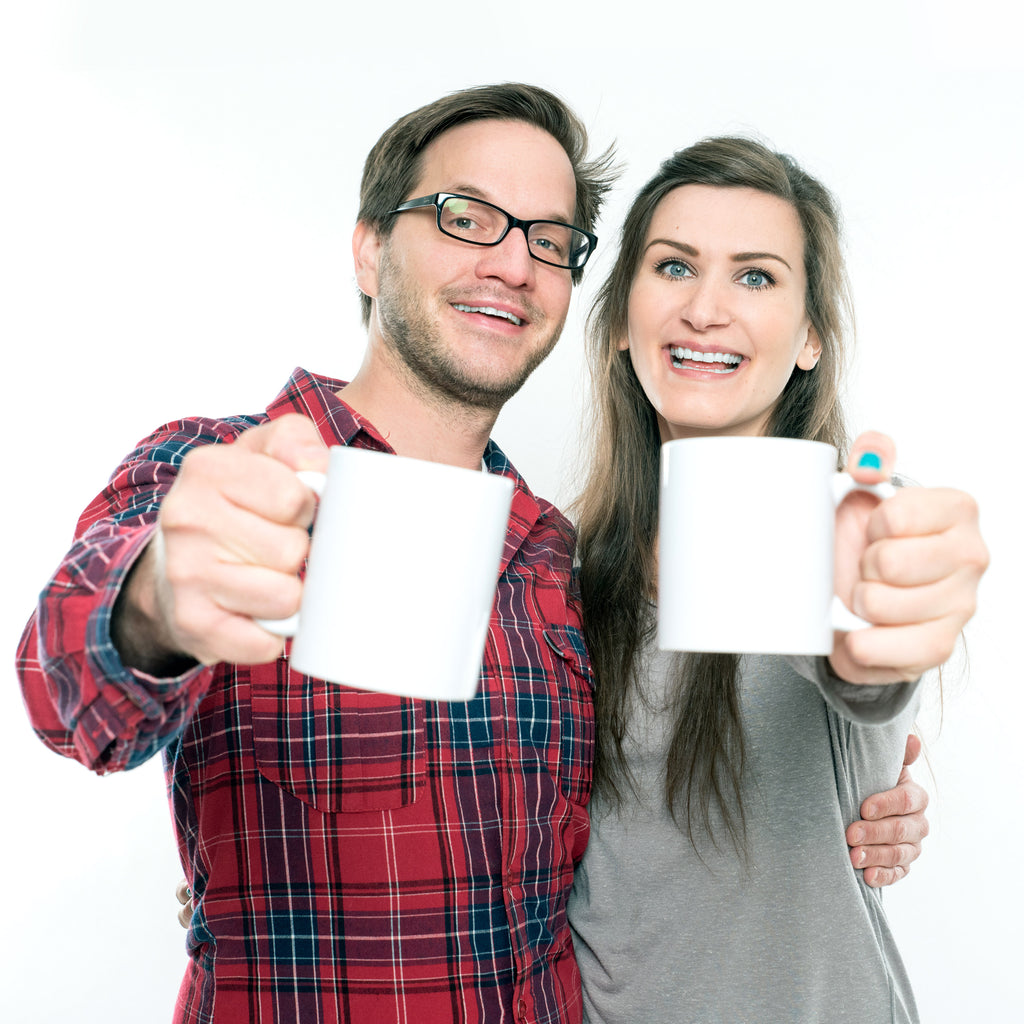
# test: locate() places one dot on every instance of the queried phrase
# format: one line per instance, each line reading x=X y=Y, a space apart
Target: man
x=433 y=888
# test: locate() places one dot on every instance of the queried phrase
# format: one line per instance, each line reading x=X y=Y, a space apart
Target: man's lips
x=513 y=316
x=707 y=362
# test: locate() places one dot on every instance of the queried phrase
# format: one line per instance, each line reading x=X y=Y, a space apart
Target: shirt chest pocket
x=576 y=710
x=335 y=748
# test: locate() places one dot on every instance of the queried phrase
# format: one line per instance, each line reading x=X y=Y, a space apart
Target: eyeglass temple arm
x=414 y=204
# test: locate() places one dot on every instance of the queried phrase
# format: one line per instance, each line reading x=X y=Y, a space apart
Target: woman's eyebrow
x=681 y=246
x=742 y=257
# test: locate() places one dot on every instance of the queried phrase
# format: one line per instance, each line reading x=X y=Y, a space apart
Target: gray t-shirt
x=793 y=936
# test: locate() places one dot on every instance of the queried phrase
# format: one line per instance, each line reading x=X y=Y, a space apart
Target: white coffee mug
x=401 y=575
x=746 y=546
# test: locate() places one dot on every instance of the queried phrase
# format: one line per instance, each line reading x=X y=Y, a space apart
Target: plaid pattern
x=354 y=856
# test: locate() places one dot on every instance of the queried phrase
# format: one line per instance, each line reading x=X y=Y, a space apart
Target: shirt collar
x=315 y=396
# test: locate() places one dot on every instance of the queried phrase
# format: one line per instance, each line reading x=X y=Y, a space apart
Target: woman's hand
x=911 y=565
x=184 y=894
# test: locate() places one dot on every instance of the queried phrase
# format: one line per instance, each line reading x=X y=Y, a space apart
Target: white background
x=178 y=184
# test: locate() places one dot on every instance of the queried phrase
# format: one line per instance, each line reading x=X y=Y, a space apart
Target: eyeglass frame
x=438 y=199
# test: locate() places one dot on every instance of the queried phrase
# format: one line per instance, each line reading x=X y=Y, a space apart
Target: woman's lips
x=707 y=362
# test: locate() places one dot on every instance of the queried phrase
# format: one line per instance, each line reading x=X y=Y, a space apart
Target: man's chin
x=490 y=395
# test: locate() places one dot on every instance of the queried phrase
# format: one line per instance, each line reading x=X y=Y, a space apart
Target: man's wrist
x=137 y=625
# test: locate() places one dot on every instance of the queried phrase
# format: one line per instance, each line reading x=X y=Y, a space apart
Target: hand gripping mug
x=401 y=575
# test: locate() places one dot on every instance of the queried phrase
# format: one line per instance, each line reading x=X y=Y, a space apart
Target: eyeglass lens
x=549 y=241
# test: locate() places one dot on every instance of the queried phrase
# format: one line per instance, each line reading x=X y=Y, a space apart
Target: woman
x=717 y=885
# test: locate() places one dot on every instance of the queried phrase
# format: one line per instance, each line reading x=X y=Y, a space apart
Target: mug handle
x=315 y=481
x=843 y=484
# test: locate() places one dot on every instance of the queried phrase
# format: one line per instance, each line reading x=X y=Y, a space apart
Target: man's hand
x=911 y=565
x=230 y=540
x=184 y=894
x=888 y=838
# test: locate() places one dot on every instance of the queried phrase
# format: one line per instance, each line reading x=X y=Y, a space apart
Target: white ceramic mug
x=746 y=545
x=401 y=575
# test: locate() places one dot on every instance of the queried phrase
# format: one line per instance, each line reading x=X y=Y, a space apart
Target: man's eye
x=549 y=245
x=551 y=238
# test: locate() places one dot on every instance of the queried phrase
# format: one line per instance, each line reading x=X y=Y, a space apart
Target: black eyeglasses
x=479 y=223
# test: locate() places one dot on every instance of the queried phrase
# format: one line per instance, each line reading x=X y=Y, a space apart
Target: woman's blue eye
x=674 y=268
x=756 y=279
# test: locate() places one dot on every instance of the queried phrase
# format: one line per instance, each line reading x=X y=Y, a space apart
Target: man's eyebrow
x=469 y=190
x=740 y=257
x=478 y=193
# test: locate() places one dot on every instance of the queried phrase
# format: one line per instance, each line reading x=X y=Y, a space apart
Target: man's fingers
x=211 y=613
x=911 y=753
x=293 y=440
x=905 y=798
x=900 y=855
x=193 y=552
x=888 y=838
x=255 y=592
x=896 y=830
x=878 y=878
x=236 y=639
x=214 y=479
x=885 y=864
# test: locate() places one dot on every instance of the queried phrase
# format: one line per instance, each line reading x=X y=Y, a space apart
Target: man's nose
x=509 y=260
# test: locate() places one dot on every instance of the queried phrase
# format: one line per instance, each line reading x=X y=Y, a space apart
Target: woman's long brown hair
x=617 y=510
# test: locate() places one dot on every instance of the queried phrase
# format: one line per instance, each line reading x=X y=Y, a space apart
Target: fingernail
x=857 y=837
x=869 y=460
x=862 y=855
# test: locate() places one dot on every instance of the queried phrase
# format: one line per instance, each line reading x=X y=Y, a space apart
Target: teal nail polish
x=869 y=460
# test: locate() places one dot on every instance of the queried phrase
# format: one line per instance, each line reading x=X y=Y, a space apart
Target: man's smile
x=489 y=311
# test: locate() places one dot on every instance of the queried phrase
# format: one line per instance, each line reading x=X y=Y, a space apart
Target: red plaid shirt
x=353 y=856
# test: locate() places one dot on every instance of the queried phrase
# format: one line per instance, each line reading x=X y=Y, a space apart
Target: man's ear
x=366 y=245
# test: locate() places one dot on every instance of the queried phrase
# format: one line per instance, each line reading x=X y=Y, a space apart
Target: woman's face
x=716 y=320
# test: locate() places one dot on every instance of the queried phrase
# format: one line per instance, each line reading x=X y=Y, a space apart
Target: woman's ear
x=366 y=245
x=808 y=357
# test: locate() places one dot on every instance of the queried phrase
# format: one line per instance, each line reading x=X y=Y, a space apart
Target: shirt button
x=521 y=1008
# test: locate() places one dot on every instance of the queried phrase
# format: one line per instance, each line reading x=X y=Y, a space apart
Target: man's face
x=432 y=291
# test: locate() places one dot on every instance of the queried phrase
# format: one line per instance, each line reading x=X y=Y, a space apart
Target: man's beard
x=412 y=333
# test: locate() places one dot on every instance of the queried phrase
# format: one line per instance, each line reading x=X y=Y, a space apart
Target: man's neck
x=415 y=422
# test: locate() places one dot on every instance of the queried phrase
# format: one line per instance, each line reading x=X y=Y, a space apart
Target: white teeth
x=729 y=360
x=489 y=310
